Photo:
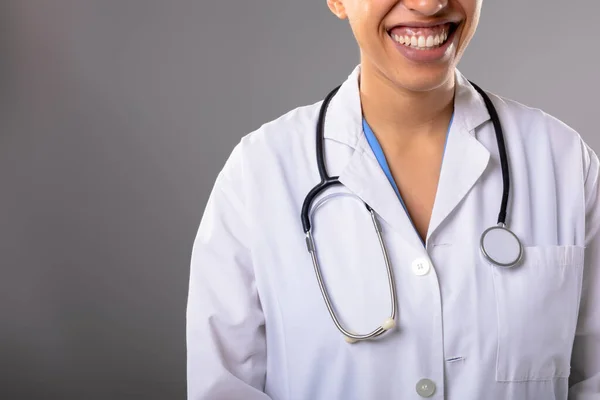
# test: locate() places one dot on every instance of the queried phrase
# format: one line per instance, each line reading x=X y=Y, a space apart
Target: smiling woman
x=289 y=270
x=417 y=23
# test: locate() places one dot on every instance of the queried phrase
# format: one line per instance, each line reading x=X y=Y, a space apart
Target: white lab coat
x=257 y=325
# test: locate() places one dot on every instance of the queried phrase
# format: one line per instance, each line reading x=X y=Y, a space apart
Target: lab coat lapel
x=361 y=174
x=465 y=158
x=364 y=177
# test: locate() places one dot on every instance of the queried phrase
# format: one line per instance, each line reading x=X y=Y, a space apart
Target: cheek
x=369 y=14
x=365 y=26
x=472 y=12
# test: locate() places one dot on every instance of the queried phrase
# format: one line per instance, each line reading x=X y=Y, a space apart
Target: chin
x=424 y=79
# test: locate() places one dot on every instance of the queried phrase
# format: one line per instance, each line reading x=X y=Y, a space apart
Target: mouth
x=423 y=43
x=424 y=37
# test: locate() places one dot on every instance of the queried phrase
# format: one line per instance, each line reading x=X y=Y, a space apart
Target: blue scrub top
x=376 y=147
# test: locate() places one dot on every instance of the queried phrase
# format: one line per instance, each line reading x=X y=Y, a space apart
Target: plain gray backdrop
x=117 y=115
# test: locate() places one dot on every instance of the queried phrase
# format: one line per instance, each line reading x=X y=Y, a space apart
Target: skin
x=408 y=104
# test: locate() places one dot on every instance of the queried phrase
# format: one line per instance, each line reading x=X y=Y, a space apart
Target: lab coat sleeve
x=226 y=350
x=585 y=363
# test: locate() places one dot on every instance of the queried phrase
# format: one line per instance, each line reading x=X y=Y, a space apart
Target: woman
x=411 y=137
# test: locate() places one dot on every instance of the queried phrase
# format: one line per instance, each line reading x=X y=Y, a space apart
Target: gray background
x=115 y=118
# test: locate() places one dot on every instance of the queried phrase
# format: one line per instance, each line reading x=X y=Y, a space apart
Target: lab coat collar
x=344 y=116
x=465 y=158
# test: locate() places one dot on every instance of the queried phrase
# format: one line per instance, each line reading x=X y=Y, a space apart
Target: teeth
x=422 y=42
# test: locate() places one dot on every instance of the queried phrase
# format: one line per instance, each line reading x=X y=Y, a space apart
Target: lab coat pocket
x=537 y=303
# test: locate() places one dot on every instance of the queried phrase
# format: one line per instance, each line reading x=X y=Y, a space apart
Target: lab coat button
x=425 y=388
x=421 y=266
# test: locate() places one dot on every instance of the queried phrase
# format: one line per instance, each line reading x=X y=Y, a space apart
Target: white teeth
x=422 y=42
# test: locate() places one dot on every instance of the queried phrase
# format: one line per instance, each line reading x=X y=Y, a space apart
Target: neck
x=398 y=114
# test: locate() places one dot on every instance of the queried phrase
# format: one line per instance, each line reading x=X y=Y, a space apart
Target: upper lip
x=425 y=24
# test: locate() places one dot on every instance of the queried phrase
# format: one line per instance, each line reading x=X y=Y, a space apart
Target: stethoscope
x=498 y=244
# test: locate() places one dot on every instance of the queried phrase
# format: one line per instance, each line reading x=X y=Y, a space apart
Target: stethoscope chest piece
x=501 y=246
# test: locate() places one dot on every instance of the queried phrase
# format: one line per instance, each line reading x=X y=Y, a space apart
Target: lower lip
x=430 y=55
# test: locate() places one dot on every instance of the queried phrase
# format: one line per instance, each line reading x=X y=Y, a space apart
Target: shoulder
x=544 y=139
x=291 y=126
x=541 y=132
x=534 y=122
x=274 y=143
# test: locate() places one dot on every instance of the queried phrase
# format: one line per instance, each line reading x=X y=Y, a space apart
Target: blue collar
x=376 y=147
